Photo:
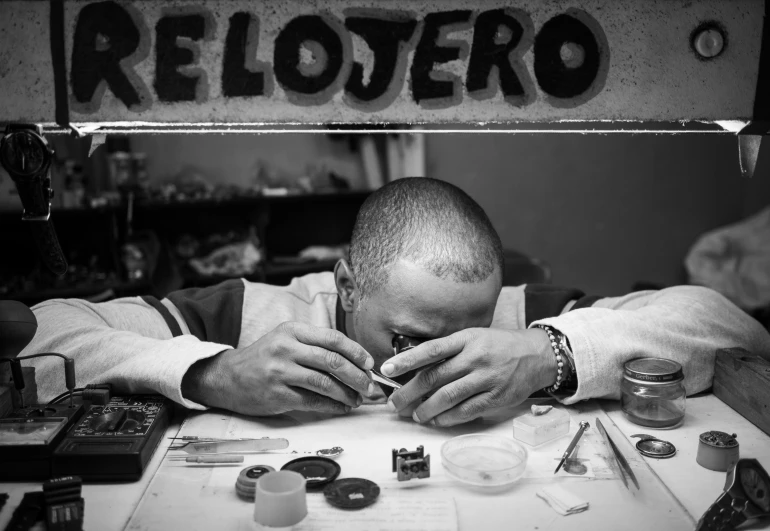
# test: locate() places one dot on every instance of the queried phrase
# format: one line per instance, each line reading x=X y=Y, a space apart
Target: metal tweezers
x=377 y=377
x=232 y=446
x=618 y=463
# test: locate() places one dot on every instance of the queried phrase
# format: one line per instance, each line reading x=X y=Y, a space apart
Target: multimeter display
x=29 y=432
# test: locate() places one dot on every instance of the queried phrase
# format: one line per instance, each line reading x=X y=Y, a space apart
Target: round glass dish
x=484 y=460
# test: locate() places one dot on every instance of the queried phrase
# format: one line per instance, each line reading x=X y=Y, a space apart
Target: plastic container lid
x=484 y=460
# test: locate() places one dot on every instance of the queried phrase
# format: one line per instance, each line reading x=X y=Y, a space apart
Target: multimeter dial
x=123 y=420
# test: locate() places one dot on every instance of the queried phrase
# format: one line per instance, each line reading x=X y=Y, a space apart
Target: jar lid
x=653 y=370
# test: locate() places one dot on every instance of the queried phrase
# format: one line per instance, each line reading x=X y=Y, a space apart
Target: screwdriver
x=583 y=426
x=210 y=459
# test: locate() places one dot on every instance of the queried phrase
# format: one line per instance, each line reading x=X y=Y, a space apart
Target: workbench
x=674 y=492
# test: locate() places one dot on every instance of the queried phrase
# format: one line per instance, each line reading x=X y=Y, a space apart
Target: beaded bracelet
x=558 y=350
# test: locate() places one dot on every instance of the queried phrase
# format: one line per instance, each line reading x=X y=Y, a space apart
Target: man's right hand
x=295 y=367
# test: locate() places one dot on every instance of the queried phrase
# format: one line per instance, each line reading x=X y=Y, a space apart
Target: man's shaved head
x=426 y=221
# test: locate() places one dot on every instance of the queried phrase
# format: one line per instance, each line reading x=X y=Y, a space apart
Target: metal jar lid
x=653 y=370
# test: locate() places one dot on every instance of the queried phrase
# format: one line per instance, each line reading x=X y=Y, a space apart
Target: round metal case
x=351 y=493
x=318 y=471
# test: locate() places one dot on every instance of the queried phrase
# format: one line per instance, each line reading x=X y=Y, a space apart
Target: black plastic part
x=33 y=462
x=30 y=510
x=17 y=375
x=69 y=374
x=65 y=516
x=97 y=397
x=113 y=458
x=419 y=453
x=351 y=493
x=62 y=490
x=319 y=471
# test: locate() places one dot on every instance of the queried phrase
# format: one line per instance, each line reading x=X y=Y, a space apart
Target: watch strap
x=48 y=245
x=725 y=514
x=35 y=196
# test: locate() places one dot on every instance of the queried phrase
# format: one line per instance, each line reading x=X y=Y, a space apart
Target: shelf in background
x=256 y=199
x=282 y=273
x=79 y=292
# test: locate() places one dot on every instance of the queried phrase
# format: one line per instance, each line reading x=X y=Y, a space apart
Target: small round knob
x=709 y=42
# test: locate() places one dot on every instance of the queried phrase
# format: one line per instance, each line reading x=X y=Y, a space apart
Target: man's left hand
x=482 y=369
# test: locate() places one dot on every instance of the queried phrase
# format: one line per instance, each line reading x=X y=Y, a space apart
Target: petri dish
x=484 y=460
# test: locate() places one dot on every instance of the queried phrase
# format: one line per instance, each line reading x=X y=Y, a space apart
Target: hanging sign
x=364 y=61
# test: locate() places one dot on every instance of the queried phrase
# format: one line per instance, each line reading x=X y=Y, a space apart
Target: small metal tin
x=656 y=448
x=330 y=452
x=351 y=493
x=651 y=446
x=318 y=471
x=717 y=450
x=246 y=484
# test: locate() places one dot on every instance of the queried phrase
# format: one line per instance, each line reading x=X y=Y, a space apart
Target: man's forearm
x=686 y=324
x=122 y=342
x=202 y=383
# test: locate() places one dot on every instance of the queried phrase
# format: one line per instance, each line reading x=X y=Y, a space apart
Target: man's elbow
x=734 y=326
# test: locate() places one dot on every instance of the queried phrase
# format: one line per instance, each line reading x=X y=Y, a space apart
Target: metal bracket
x=411 y=464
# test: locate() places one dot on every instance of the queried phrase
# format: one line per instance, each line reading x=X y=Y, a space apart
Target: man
x=426 y=269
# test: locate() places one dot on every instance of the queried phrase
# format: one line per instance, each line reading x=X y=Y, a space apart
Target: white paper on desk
x=389 y=513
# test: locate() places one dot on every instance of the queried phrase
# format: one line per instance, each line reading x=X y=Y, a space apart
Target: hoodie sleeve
x=687 y=324
x=134 y=344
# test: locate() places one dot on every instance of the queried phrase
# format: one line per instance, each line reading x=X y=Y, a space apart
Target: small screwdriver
x=210 y=459
x=583 y=426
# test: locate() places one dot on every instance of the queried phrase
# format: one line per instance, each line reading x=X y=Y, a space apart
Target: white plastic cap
x=280 y=500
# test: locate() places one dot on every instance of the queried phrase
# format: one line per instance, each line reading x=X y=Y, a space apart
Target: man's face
x=419 y=305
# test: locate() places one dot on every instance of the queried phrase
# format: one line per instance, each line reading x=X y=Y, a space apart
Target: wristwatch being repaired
x=25 y=155
x=746 y=496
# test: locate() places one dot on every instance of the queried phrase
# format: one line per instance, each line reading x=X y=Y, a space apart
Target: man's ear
x=347 y=288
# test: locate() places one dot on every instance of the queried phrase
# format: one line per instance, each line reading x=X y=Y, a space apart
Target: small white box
x=536 y=430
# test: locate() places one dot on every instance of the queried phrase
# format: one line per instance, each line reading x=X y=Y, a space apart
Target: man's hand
x=294 y=367
x=485 y=369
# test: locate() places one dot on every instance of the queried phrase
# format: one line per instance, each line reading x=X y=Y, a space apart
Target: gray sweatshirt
x=131 y=343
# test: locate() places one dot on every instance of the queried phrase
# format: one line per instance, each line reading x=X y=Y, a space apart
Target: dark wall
x=604 y=210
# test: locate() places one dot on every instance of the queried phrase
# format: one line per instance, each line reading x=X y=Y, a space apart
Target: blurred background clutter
x=604 y=213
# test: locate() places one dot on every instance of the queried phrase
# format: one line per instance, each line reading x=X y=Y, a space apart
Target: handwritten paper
x=389 y=513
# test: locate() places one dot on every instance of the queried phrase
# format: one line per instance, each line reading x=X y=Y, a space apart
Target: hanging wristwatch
x=26 y=157
x=746 y=496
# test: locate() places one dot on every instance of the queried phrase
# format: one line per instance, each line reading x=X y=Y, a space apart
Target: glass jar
x=652 y=392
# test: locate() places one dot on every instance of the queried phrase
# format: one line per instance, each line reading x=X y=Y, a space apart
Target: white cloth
x=562 y=501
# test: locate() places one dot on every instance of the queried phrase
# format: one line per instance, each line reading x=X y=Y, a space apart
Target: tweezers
x=377 y=377
x=619 y=464
x=234 y=446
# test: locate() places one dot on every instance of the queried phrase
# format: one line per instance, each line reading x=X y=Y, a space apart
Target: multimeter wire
x=18 y=377
x=66 y=394
x=42 y=354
